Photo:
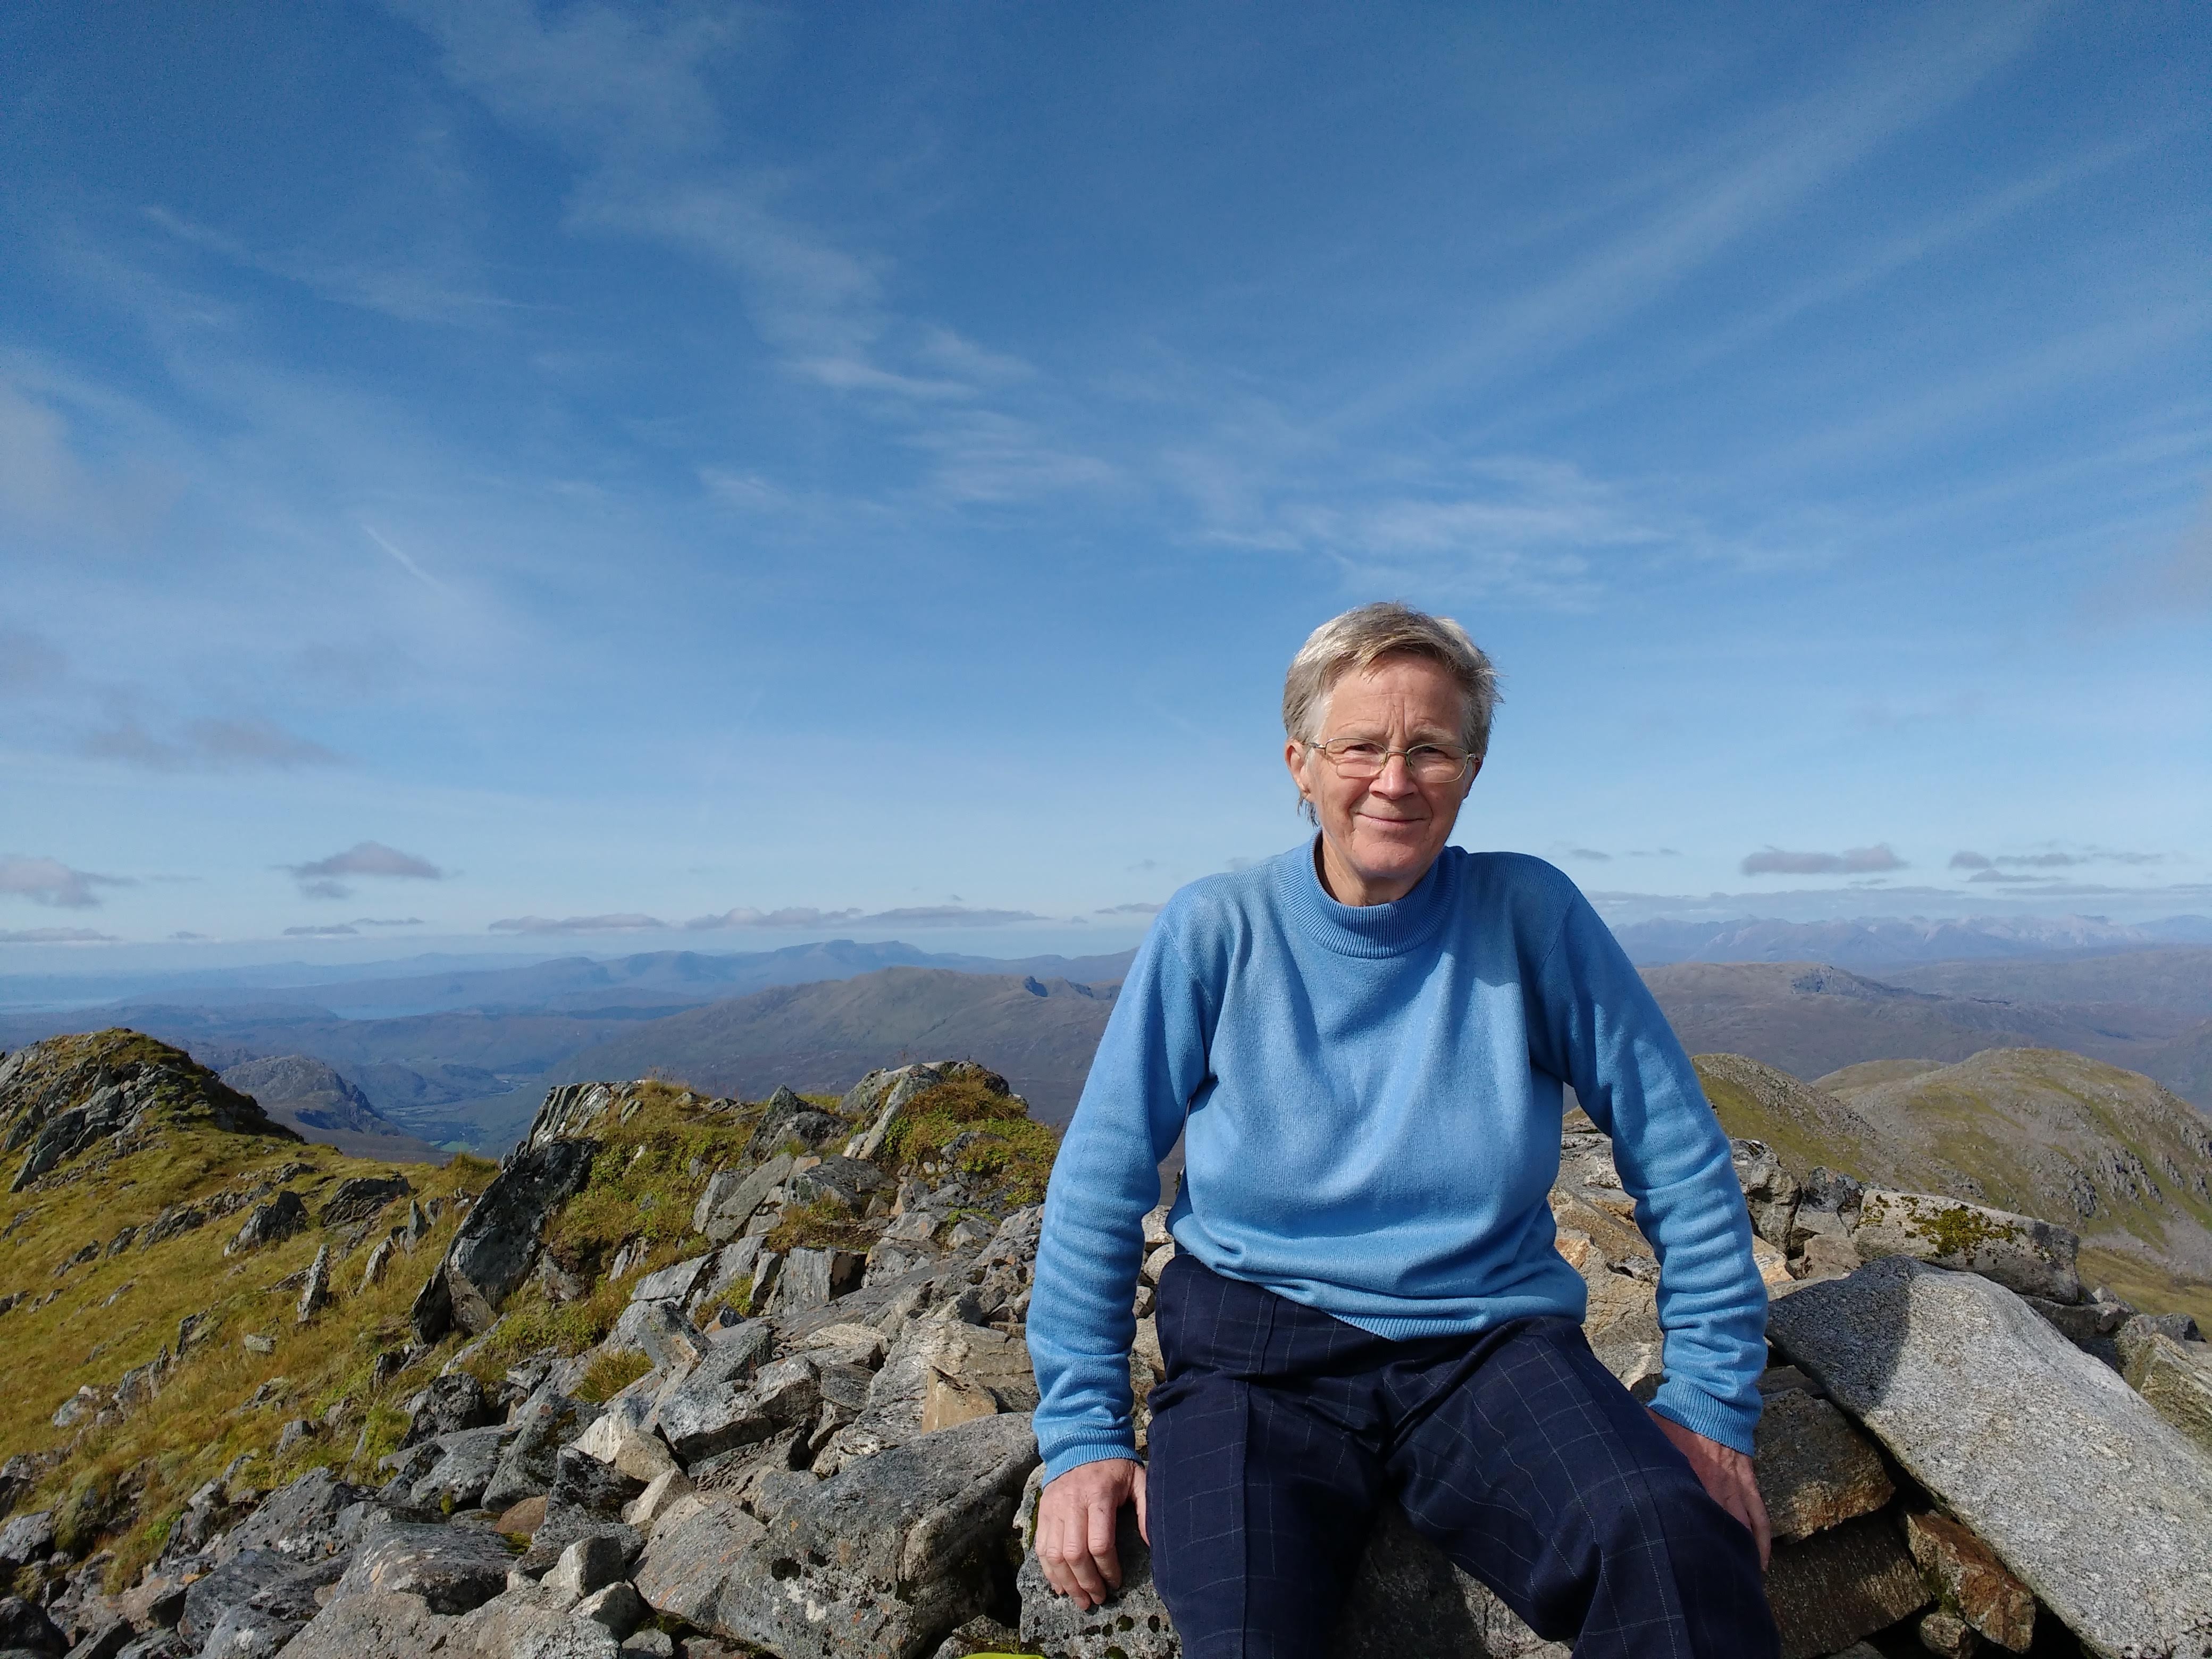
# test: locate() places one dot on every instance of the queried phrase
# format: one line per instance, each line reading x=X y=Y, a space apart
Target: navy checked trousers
x=1278 y=1431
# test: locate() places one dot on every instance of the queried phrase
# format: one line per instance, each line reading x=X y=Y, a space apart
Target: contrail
x=412 y=568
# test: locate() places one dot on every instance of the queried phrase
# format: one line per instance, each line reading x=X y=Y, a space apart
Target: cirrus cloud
x=625 y=922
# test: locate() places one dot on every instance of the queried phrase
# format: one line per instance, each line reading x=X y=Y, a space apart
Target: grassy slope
x=657 y=1153
x=2021 y=1124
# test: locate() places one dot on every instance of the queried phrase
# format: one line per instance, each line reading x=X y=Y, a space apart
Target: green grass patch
x=610 y=1373
x=1009 y=1146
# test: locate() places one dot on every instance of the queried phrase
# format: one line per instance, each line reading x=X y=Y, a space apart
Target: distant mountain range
x=1810 y=1019
x=1040 y=1034
x=1889 y=942
x=458 y=1055
x=310 y=1097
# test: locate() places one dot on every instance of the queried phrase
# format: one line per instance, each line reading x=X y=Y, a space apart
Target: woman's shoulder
x=1533 y=893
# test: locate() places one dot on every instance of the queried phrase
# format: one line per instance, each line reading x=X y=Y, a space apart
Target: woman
x=1362 y=1043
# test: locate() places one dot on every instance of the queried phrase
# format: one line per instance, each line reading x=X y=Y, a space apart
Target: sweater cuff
x=1694 y=1409
x=1087 y=1451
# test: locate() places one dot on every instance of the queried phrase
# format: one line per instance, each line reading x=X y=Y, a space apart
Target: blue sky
x=864 y=469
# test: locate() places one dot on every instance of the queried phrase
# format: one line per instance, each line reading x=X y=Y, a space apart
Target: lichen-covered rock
x=691 y=1554
x=732 y=1195
x=2176 y=1379
x=889 y=1555
x=446 y=1404
x=712 y=1415
x=2098 y=1503
x=372 y=1624
x=2034 y=1258
x=543 y=1424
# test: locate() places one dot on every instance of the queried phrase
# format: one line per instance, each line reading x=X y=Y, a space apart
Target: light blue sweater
x=1369 y=1101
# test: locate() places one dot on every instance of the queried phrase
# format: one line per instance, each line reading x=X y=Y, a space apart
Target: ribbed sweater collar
x=1361 y=930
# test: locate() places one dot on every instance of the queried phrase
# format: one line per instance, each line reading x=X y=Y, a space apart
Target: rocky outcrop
x=822 y=1440
x=496 y=1245
x=2095 y=1501
x=62 y=1097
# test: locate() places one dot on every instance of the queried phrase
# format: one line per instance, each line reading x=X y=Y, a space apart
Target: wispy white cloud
x=210 y=746
x=625 y=922
x=1853 y=861
x=1779 y=160
x=923 y=915
x=55 y=936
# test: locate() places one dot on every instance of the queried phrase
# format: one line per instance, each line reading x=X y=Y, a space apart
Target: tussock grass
x=1009 y=1147
x=116 y=1313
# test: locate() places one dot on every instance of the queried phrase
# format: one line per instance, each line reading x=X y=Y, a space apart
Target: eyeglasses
x=1360 y=759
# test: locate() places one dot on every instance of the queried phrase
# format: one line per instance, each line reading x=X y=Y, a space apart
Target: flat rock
x=1815 y=1470
x=1842 y=1584
x=2102 y=1507
x=706 y=1417
x=357 y=1199
x=2021 y=1252
x=689 y=1557
x=889 y=1556
x=675 y=1282
x=529 y=1623
x=467 y=1460
x=270 y=1224
x=541 y=1424
x=371 y=1624
x=25 y=1625
x=731 y=1198
x=814 y=1278
x=445 y=1404
x=451 y=1569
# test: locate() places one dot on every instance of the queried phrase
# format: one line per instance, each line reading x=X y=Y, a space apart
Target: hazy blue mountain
x=1040 y=1034
x=315 y=1098
x=1884 y=942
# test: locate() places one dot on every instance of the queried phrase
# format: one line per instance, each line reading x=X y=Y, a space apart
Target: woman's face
x=1379 y=835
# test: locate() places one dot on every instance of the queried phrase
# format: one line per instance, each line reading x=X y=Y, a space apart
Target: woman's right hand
x=1076 y=1517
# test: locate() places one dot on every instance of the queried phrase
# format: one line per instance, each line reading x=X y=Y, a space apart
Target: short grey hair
x=1364 y=636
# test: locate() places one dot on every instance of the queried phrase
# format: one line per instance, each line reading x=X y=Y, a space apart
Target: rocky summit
x=692 y=1376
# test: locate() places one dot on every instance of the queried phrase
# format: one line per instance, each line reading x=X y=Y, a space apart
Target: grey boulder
x=451 y=1569
x=716 y=1414
x=493 y=1250
x=357 y=1199
x=270 y=1224
x=889 y=1556
x=2081 y=1490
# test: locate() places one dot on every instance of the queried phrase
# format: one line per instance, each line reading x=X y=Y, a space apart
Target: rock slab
x=1815 y=1470
x=2024 y=1438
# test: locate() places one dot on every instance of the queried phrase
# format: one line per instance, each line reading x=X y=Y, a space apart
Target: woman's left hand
x=1727 y=1475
